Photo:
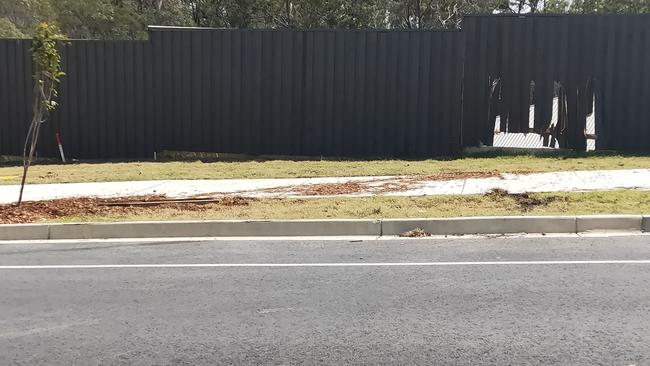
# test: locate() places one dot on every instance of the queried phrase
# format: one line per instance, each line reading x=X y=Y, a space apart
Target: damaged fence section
x=577 y=61
x=345 y=93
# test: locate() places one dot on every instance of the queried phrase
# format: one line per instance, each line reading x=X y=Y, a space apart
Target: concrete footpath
x=569 y=181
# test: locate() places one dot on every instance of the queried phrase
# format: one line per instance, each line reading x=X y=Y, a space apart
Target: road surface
x=550 y=300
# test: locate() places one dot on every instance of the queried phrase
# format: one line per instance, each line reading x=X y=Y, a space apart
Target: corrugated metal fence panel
x=319 y=93
x=624 y=93
x=605 y=56
x=106 y=101
x=15 y=94
x=329 y=93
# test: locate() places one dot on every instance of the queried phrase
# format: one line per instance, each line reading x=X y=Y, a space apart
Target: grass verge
x=125 y=171
x=494 y=204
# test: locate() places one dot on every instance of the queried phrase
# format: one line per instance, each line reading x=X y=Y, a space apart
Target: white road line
x=183 y=240
x=388 y=264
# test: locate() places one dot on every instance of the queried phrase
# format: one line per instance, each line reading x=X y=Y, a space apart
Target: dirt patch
x=198 y=200
x=415 y=233
x=358 y=187
x=48 y=175
x=459 y=175
x=35 y=211
x=524 y=200
x=330 y=189
x=377 y=186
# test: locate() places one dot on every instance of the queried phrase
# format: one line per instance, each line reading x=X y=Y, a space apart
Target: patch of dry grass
x=124 y=171
x=615 y=202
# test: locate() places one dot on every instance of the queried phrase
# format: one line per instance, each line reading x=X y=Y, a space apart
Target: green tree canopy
x=127 y=19
x=598 y=6
x=9 y=30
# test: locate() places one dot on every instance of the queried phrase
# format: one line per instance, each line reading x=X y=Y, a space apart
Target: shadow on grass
x=182 y=156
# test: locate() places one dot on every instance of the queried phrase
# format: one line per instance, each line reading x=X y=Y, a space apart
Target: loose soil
x=523 y=200
x=35 y=211
x=377 y=186
x=415 y=233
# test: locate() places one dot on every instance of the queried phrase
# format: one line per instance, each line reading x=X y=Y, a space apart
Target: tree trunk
x=32 y=135
x=287 y=4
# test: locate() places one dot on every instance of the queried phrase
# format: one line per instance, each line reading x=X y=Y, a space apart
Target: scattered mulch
x=34 y=211
x=330 y=189
x=460 y=175
x=372 y=186
x=324 y=189
x=377 y=186
x=415 y=233
x=198 y=200
x=523 y=200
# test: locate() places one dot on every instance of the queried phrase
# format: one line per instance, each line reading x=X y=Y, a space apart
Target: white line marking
x=182 y=240
x=396 y=264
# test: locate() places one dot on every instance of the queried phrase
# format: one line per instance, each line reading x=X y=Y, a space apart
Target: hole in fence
x=533 y=140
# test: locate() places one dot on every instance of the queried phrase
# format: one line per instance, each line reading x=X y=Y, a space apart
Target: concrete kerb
x=234 y=228
x=482 y=225
x=609 y=223
x=24 y=232
x=216 y=229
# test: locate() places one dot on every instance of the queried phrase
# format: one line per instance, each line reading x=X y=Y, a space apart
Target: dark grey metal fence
x=363 y=93
x=15 y=94
x=316 y=93
x=332 y=93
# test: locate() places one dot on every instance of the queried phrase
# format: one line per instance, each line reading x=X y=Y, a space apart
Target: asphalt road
x=546 y=301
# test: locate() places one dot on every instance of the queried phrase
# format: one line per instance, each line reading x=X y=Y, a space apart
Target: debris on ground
x=330 y=189
x=377 y=186
x=497 y=193
x=34 y=211
x=224 y=201
x=48 y=175
x=525 y=201
x=459 y=175
x=415 y=233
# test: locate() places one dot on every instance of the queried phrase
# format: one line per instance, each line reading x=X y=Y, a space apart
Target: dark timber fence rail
x=348 y=93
